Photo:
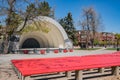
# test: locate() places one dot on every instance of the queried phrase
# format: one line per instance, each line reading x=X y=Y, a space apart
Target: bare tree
x=91 y=22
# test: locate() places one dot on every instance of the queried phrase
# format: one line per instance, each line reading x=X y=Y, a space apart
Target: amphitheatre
x=56 y=37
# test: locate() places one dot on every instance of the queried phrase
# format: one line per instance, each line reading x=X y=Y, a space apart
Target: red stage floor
x=48 y=65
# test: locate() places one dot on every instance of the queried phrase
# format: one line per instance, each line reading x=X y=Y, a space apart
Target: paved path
x=7 y=73
x=7 y=57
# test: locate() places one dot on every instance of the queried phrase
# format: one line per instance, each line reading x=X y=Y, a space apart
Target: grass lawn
x=87 y=49
x=111 y=49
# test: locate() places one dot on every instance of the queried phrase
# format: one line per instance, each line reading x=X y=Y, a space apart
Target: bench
x=67 y=66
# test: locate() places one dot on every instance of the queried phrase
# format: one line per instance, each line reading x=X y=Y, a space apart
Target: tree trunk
x=92 y=41
x=117 y=43
x=87 y=40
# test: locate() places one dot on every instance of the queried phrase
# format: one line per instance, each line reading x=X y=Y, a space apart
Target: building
x=107 y=38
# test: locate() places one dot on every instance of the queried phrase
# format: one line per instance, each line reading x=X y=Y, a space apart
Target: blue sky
x=108 y=9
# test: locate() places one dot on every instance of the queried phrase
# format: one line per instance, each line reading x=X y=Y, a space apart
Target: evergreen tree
x=67 y=24
x=31 y=11
x=44 y=9
x=37 y=9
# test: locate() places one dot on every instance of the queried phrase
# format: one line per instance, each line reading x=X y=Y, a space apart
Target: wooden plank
x=48 y=76
x=86 y=72
x=28 y=78
x=61 y=73
x=45 y=74
x=63 y=78
x=107 y=69
x=91 y=69
x=103 y=78
x=96 y=74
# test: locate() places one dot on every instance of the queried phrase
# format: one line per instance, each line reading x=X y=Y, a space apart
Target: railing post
x=116 y=71
x=22 y=77
x=101 y=70
x=68 y=74
x=78 y=75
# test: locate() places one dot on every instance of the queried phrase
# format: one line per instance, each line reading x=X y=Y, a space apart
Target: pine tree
x=67 y=24
x=44 y=9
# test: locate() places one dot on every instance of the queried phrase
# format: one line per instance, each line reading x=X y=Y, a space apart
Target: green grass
x=111 y=49
x=87 y=49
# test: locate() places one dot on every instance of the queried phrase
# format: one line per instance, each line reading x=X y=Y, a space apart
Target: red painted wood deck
x=49 y=65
